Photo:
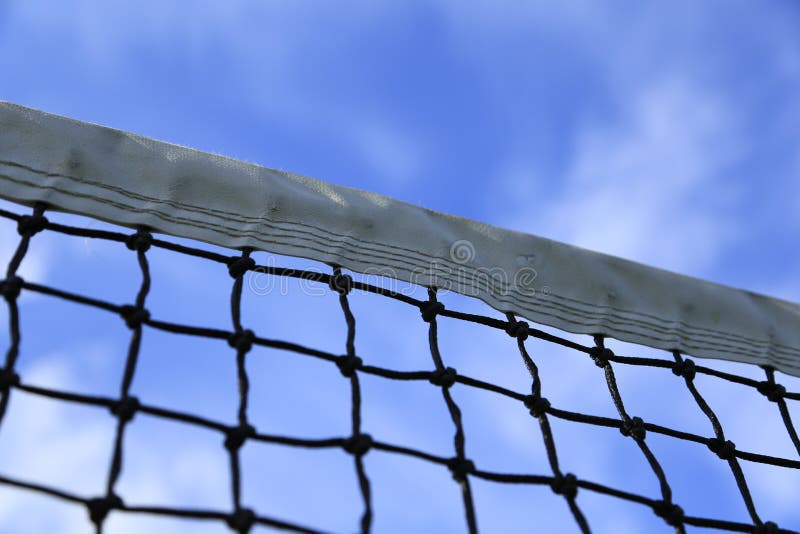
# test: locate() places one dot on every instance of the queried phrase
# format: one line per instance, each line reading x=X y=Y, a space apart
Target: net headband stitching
x=643 y=324
x=736 y=349
x=313 y=236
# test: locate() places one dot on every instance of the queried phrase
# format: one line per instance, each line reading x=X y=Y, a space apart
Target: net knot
x=443 y=377
x=134 y=316
x=566 y=485
x=460 y=468
x=239 y=265
x=140 y=241
x=241 y=520
x=430 y=309
x=634 y=427
x=685 y=368
x=236 y=436
x=11 y=287
x=126 y=408
x=8 y=378
x=348 y=364
x=242 y=340
x=725 y=449
x=771 y=390
x=358 y=445
x=536 y=405
x=100 y=506
x=518 y=329
x=669 y=512
x=29 y=225
x=768 y=527
x=341 y=283
x=601 y=355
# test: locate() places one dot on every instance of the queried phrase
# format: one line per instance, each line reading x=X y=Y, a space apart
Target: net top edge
x=134 y=181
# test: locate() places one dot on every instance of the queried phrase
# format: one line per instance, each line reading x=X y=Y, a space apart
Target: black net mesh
x=358 y=443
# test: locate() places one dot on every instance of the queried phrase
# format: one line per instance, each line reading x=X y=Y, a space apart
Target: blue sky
x=666 y=133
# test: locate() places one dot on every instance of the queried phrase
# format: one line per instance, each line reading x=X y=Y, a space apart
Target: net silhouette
x=350 y=365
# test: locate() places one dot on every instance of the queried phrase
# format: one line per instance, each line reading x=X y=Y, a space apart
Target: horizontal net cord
x=505 y=478
x=565 y=415
x=325 y=278
x=136 y=317
x=156 y=510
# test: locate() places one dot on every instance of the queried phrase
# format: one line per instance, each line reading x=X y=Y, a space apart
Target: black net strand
x=125 y=407
x=777 y=394
x=358 y=444
x=459 y=466
x=635 y=428
x=565 y=485
x=27 y=227
x=241 y=519
x=719 y=445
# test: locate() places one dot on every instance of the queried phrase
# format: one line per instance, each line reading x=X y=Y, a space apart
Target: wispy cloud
x=271 y=63
x=638 y=132
x=58 y=445
x=37 y=260
x=648 y=186
x=392 y=154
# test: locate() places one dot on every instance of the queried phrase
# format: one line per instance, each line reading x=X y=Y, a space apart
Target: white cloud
x=49 y=448
x=645 y=160
x=392 y=154
x=647 y=186
x=49 y=442
x=35 y=264
x=268 y=55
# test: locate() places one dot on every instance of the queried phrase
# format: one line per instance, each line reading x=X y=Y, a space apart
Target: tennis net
x=432 y=309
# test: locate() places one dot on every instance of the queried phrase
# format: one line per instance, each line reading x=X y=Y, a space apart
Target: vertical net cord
x=634 y=427
x=358 y=444
x=126 y=406
x=775 y=393
x=242 y=519
x=460 y=466
x=27 y=227
x=719 y=445
x=565 y=485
